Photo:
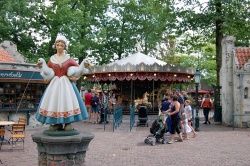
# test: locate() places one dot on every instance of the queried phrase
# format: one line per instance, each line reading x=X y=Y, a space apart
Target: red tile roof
x=243 y=55
x=5 y=57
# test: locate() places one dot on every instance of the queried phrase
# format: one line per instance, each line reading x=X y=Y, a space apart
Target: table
x=6 y=123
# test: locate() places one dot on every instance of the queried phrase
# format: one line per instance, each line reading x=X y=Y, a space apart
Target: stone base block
x=62 y=150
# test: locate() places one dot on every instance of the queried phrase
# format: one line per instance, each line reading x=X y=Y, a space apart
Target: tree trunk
x=219 y=36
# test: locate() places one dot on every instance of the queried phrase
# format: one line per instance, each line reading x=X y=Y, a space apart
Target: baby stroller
x=142 y=116
x=157 y=130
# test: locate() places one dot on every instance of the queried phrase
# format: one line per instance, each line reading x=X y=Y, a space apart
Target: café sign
x=13 y=74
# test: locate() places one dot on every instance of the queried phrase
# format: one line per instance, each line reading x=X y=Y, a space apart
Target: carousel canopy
x=141 y=67
x=138 y=58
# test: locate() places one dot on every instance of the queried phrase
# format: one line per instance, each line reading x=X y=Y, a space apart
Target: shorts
x=95 y=109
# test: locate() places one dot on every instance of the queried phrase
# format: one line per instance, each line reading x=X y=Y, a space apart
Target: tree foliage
x=108 y=30
x=213 y=20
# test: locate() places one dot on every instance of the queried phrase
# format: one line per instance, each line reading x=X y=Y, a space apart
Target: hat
x=62 y=38
x=177 y=90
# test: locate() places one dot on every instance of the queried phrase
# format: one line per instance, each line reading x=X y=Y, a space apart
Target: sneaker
x=168 y=133
x=205 y=123
x=179 y=140
x=209 y=122
x=170 y=142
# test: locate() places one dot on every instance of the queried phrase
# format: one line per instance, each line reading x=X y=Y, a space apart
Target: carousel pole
x=131 y=99
x=153 y=95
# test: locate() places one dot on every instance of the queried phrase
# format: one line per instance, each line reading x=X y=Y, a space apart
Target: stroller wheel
x=153 y=143
x=146 y=140
x=163 y=141
x=158 y=139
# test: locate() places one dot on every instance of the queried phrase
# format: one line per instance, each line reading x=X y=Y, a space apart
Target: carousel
x=138 y=79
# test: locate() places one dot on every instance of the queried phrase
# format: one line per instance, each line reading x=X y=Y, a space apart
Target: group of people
x=178 y=109
x=62 y=103
x=95 y=102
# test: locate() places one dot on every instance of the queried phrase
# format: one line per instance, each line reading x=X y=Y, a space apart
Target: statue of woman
x=61 y=102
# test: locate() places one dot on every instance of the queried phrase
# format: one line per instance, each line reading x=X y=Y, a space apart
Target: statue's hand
x=74 y=78
x=46 y=81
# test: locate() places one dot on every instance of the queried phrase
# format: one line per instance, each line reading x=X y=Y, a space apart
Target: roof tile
x=5 y=57
x=243 y=55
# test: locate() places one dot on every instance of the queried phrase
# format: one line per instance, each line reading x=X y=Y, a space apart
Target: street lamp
x=197 y=79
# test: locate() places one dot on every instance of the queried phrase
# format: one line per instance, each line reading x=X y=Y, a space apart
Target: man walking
x=206 y=104
x=87 y=98
x=180 y=100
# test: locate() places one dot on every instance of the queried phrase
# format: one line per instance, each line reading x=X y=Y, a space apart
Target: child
x=188 y=112
x=186 y=128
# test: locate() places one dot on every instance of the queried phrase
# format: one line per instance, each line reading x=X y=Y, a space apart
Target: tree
x=204 y=60
x=213 y=20
x=15 y=24
x=136 y=20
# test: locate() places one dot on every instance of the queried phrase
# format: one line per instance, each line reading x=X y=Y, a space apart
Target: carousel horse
x=143 y=101
x=145 y=97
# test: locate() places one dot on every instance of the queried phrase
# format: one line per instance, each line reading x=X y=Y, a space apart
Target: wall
x=226 y=79
x=234 y=78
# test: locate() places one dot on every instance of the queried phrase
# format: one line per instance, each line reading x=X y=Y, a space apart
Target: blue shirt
x=165 y=105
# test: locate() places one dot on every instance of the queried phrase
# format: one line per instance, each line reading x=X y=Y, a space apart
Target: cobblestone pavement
x=215 y=145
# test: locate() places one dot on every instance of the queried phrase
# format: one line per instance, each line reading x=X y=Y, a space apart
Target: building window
x=246 y=93
x=23 y=96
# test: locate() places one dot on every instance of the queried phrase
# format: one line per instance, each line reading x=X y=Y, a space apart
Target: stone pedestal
x=62 y=150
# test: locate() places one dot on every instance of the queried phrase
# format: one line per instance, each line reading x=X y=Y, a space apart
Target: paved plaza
x=215 y=145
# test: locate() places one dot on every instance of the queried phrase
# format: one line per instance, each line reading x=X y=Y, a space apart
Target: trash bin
x=218 y=114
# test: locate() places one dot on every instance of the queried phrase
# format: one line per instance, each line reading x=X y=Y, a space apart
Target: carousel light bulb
x=175 y=75
x=109 y=75
x=131 y=74
x=188 y=76
x=154 y=74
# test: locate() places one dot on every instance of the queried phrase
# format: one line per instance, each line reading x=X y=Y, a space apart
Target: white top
x=186 y=129
x=138 y=58
x=188 y=111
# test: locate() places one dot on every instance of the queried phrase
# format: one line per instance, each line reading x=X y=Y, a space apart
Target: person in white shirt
x=188 y=112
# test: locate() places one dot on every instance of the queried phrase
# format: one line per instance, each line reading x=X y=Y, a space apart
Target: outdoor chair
x=17 y=128
x=22 y=120
x=2 y=132
x=17 y=134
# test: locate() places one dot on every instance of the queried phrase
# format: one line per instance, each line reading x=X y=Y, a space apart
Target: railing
x=117 y=117
x=239 y=115
x=132 y=117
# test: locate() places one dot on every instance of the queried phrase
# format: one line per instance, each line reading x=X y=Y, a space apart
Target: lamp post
x=197 y=79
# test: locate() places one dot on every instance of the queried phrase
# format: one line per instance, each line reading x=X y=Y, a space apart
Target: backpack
x=207 y=103
x=93 y=102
